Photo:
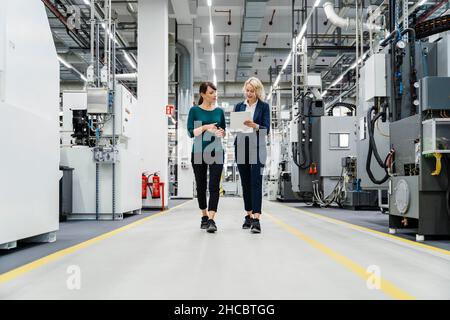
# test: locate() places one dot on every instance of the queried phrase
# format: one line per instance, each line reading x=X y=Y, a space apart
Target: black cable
x=349 y=106
x=411 y=31
x=447 y=193
x=372 y=139
x=295 y=154
x=308 y=131
x=373 y=149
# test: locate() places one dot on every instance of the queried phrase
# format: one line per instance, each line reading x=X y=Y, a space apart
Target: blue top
x=199 y=117
x=262 y=118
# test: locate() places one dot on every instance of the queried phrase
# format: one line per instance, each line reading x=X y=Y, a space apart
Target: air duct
x=254 y=13
x=171 y=54
x=346 y=23
x=185 y=78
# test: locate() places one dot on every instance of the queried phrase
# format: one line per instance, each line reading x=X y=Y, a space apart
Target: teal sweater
x=198 y=117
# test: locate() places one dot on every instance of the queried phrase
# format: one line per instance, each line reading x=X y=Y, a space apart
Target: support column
x=153 y=57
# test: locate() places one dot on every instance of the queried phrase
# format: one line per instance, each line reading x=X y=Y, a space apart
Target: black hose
x=386 y=41
x=349 y=106
x=295 y=154
x=372 y=138
x=390 y=37
x=373 y=149
x=447 y=193
x=411 y=31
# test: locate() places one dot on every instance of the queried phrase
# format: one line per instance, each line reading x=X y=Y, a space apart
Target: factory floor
x=300 y=254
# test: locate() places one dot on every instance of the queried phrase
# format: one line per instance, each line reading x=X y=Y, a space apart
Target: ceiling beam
x=182 y=11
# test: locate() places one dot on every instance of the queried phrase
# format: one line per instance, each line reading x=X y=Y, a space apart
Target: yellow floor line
x=13 y=274
x=387 y=287
x=379 y=233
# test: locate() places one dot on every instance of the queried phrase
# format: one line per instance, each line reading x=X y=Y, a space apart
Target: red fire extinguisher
x=144 y=186
x=155 y=186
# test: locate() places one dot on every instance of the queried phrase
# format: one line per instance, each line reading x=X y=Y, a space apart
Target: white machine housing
x=81 y=158
x=29 y=102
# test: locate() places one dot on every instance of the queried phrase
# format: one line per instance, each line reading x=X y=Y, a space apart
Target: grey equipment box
x=65 y=193
x=434 y=93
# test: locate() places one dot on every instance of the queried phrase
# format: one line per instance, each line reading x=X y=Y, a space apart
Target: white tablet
x=237 y=120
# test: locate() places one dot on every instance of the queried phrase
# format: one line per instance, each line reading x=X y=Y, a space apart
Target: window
x=339 y=140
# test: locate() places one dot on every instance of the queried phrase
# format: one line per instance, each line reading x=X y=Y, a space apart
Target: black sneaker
x=256 y=226
x=247 y=222
x=204 y=223
x=211 y=226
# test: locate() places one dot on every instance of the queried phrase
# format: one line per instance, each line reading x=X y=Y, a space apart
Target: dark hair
x=203 y=88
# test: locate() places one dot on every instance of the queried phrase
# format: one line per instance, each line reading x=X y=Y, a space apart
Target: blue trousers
x=251 y=180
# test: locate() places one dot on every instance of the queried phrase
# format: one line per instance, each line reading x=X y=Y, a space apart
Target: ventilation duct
x=254 y=12
x=185 y=77
x=171 y=54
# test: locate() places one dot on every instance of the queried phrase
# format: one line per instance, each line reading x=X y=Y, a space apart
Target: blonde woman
x=250 y=151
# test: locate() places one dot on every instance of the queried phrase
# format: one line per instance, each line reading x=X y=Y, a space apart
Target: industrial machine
x=107 y=178
x=29 y=93
x=420 y=134
x=100 y=136
x=318 y=140
x=403 y=128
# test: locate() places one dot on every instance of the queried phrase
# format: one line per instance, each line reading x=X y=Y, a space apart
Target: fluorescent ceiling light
x=211 y=33
x=286 y=63
x=215 y=80
x=87 y=2
x=316 y=4
x=209 y=2
x=339 y=79
x=69 y=66
x=213 y=61
x=277 y=80
x=65 y=63
x=109 y=34
x=270 y=94
x=129 y=60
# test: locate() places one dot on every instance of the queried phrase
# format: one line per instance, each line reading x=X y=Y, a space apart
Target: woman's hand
x=210 y=127
x=220 y=133
x=250 y=124
x=207 y=127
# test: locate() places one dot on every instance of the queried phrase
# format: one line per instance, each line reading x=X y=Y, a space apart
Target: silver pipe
x=97 y=46
x=114 y=127
x=347 y=23
x=92 y=31
x=111 y=43
x=127 y=76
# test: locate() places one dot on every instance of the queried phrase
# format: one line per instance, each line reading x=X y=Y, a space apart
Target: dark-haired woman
x=206 y=124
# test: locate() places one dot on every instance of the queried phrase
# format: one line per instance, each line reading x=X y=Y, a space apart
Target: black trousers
x=201 y=177
x=251 y=174
x=251 y=180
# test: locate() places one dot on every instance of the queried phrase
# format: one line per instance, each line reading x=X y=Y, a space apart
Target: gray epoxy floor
x=70 y=233
x=296 y=257
x=372 y=219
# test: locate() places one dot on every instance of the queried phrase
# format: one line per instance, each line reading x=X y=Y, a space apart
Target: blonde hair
x=257 y=85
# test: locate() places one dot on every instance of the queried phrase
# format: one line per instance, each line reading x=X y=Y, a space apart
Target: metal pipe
x=97 y=48
x=113 y=114
x=346 y=23
x=127 y=76
x=92 y=35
